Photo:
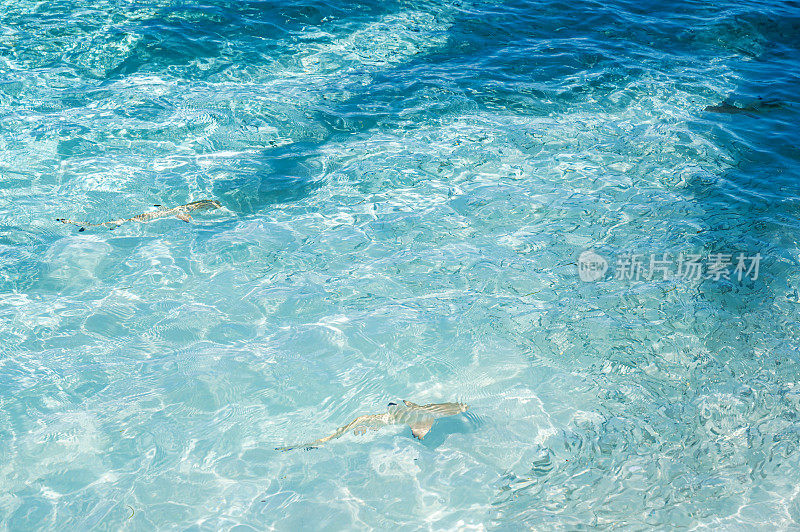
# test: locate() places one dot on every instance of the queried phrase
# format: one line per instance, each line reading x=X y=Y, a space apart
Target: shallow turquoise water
x=406 y=189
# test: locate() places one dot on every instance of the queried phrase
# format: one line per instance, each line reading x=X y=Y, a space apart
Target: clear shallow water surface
x=406 y=189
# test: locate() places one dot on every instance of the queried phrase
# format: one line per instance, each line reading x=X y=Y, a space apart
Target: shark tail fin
x=305 y=446
x=82 y=225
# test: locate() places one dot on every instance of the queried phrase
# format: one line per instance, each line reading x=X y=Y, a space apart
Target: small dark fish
x=419 y=417
x=181 y=212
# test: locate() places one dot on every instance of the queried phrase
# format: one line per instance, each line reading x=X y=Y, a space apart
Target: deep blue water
x=407 y=188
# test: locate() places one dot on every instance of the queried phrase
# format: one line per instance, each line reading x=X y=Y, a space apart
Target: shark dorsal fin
x=420 y=428
x=392 y=408
x=409 y=403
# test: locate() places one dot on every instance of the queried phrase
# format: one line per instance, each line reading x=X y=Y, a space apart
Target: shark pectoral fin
x=183 y=216
x=421 y=428
x=409 y=403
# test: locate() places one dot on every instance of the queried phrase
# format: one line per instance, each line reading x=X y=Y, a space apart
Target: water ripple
x=406 y=188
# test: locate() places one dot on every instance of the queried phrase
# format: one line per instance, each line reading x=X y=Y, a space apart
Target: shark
x=727 y=108
x=181 y=212
x=419 y=417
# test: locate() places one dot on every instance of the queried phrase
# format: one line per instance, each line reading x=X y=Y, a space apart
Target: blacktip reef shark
x=419 y=417
x=727 y=108
x=181 y=212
